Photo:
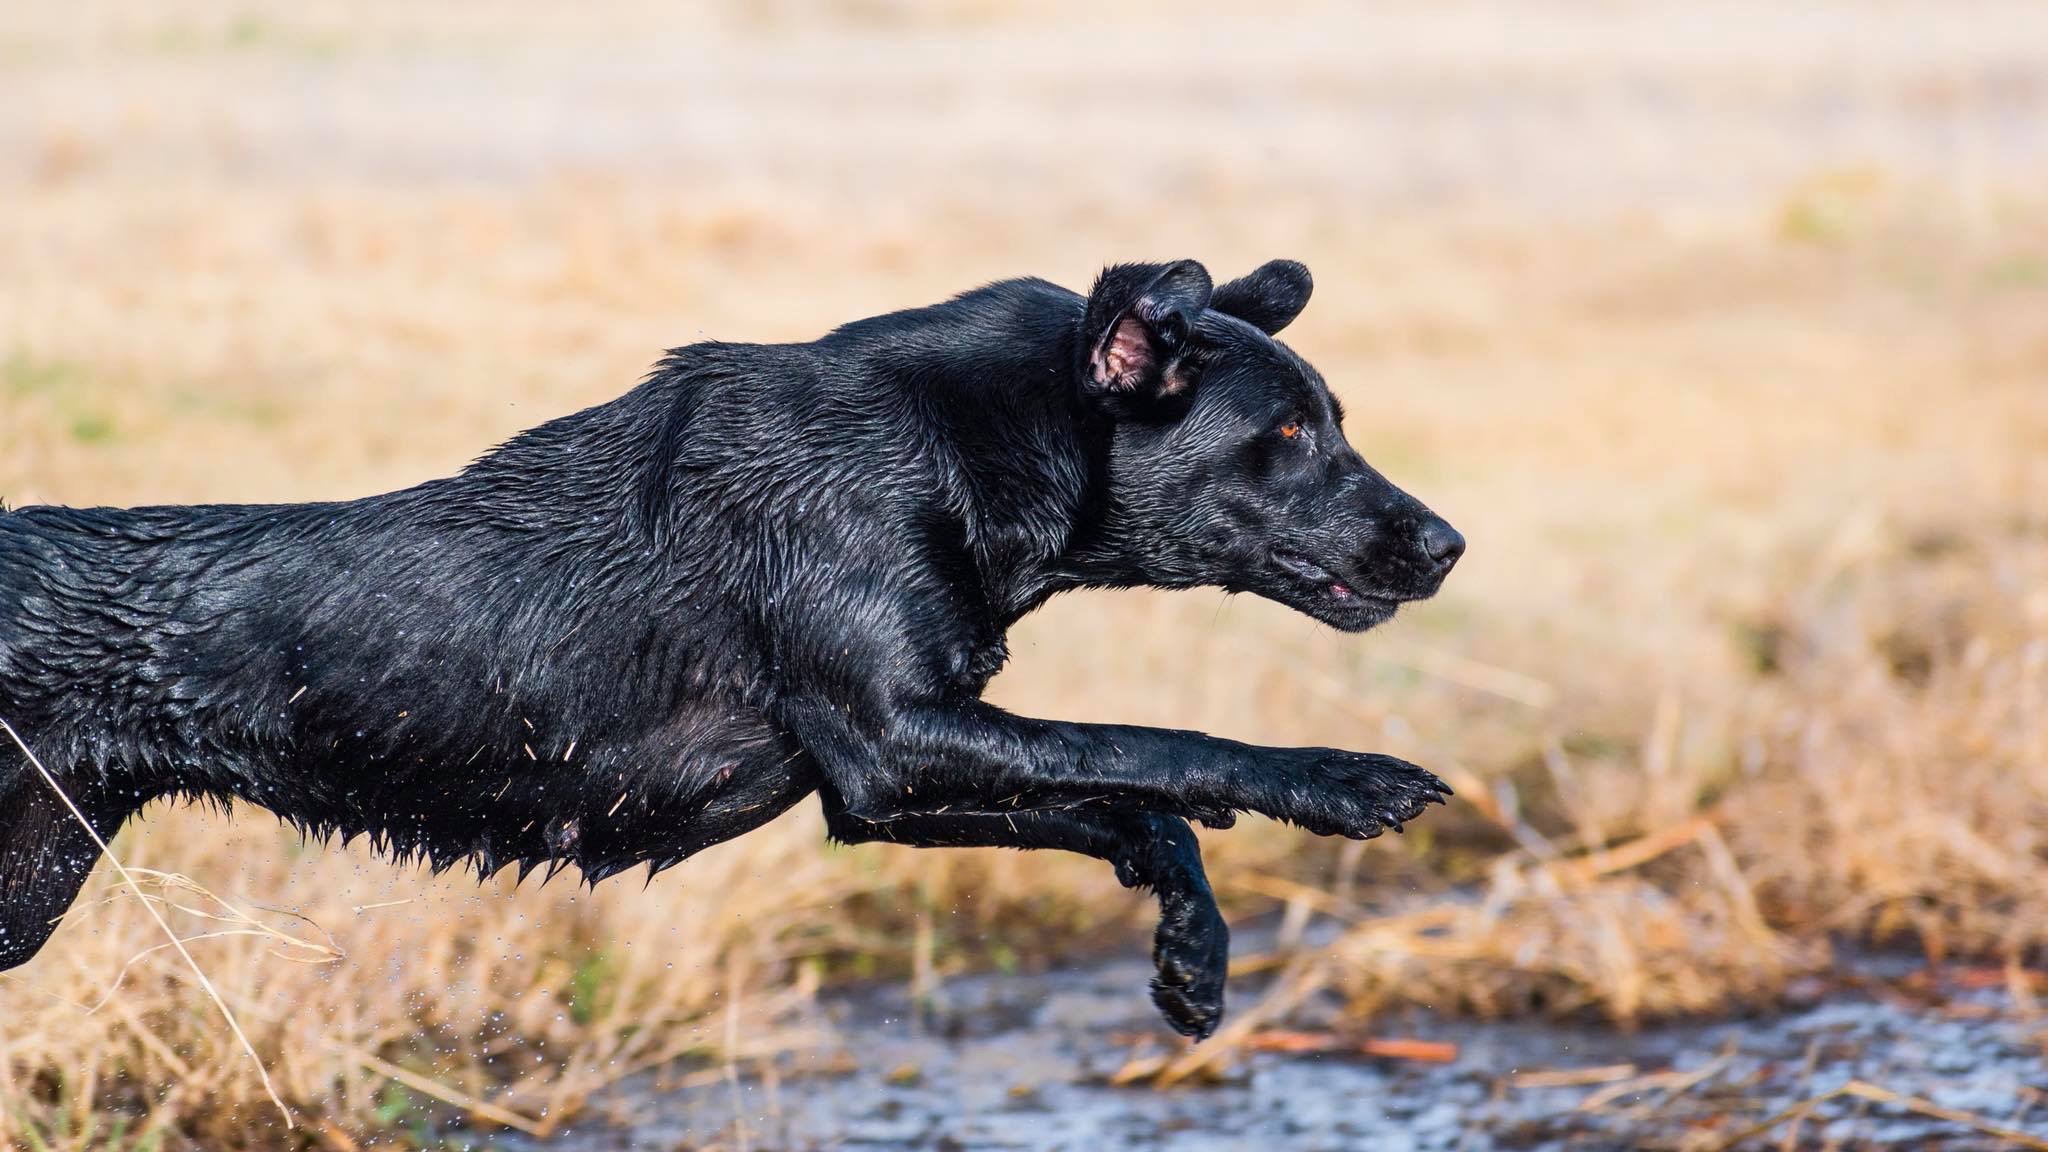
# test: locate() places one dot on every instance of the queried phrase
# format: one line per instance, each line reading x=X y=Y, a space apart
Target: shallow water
x=1023 y=1062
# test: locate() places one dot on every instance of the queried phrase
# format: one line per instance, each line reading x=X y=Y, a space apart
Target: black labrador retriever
x=768 y=571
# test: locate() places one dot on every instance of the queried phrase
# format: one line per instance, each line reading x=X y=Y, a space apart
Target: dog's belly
x=601 y=799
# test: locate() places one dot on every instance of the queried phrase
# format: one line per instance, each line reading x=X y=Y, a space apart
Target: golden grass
x=1748 y=653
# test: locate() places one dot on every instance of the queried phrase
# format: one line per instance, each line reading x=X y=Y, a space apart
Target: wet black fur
x=768 y=571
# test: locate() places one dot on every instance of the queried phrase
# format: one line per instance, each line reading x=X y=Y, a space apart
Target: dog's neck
x=1028 y=453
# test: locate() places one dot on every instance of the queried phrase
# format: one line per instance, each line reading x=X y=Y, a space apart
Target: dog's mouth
x=1328 y=595
x=1310 y=572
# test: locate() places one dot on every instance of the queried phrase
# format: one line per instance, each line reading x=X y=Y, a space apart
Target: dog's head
x=1227 y=462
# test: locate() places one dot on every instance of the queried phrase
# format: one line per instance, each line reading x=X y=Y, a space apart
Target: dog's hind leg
x=45 y=854
x=1191 y=949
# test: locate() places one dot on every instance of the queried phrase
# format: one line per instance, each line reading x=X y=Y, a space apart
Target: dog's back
x=544 y=660
x=568 y=653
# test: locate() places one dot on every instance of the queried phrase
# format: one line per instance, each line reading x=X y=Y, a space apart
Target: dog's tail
x=45 y=853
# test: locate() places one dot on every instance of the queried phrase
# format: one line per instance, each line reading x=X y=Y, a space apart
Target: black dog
x=768 y=571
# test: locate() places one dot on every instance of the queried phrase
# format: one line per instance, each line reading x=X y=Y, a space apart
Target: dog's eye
x=1290 y=430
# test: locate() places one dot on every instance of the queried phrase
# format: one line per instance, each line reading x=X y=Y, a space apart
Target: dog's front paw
x=1358 y=794
x=1192 y=953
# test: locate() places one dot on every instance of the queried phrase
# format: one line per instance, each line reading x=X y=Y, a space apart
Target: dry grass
x=1748 y=653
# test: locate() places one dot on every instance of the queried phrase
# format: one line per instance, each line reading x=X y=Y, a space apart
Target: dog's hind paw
x=1191 y=951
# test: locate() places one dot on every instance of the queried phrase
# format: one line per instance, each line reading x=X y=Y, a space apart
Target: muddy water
x=1024 y=1062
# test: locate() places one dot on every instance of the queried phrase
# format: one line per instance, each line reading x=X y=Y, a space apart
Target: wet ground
x=1026 y=1062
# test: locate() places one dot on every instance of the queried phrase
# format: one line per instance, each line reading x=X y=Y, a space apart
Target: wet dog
x=768 y=571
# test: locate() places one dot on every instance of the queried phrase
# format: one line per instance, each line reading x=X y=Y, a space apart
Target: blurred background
x=1720 y=330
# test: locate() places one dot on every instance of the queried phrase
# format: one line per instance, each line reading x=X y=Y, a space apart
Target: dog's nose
x=1442 y=543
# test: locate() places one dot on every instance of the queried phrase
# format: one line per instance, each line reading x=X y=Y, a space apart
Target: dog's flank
x=767 y=571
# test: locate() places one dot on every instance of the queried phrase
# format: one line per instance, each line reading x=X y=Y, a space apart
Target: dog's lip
x=1303 y=568
x=1336 y=587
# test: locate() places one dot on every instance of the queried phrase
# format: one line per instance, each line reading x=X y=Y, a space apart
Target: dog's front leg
x=1190 y=949
x=972 y=755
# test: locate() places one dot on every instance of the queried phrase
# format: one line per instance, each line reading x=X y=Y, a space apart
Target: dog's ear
x=1269 y=298
x=1140 y=321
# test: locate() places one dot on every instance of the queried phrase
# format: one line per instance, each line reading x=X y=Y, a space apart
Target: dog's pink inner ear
x=1127 y=356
